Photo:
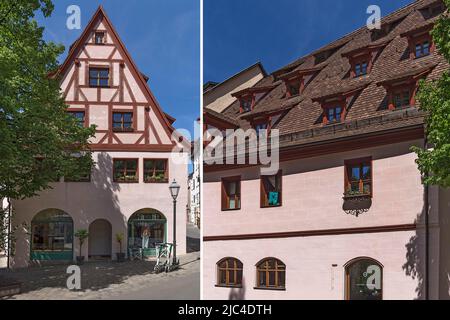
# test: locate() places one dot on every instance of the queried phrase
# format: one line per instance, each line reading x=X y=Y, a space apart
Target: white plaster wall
x=102 y=198
x=309 y=261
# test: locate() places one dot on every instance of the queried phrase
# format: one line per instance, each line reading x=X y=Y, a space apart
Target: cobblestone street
x=111 y=280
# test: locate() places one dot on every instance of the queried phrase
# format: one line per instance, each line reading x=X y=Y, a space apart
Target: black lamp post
x=174 y=189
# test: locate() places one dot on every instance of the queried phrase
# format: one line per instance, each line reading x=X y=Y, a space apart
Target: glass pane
x=93 y=73
x=239 y=277
x=364 y=68
x=281 y=278
x=119 y=164
x=358 y=69
x=231 y=187
x=117 y=117
x=366 y=172
x=149 y=164
x=426 y=48
x=93 y=82
x=262 y=278
x=104 y=73
x=104 y=82
x=405 y=100
x=338 y=113
x=331 y=115
x=231 y=275
x=160 y=164
x=127 y=117
x=418 y=50
x=272 y=278
x=355 y=173
x=222 y=277
x=131 y=164
x=366 y=188
x=364 y=277
x=232 y=204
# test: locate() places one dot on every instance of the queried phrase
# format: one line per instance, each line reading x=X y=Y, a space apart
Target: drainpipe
x=427 y=234
x=8 y=253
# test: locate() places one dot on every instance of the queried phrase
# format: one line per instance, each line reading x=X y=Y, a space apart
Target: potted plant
x=82 y=235
x=120 y=255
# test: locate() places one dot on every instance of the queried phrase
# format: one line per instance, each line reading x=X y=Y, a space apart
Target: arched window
x=229 y=272
x=146 y=228
x=51 y=235
x=271 y=274
x=364 y=279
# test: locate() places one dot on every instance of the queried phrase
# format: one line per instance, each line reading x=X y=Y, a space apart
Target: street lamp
x=174 y=189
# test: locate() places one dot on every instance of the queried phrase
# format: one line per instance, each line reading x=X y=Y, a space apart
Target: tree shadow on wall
x=414 y=266
x=237 y=293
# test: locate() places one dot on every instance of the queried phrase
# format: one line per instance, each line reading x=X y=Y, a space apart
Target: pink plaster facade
x=151 y=138
x=312 y=191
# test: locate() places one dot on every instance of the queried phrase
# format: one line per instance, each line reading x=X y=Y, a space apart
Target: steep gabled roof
x=141 y=79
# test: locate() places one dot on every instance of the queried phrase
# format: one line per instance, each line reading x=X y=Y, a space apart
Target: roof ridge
x=354 y=32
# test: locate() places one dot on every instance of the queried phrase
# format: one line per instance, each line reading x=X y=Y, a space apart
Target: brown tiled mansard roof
x=302 y=114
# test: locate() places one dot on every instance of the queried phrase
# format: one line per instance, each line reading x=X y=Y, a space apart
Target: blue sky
x=163 y=37
x=238 y=33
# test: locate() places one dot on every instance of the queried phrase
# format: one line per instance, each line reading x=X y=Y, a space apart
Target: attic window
x=333 y=114
x=99 y=38
x=422 y=49
x=420 y=42
x=402 y=98
x=246 y=104
x=361 y=68
x=293 y=87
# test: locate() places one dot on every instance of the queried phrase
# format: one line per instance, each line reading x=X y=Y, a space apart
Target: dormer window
x=246 y=104
x=333 y=114
x=293 y=87
x=361 y=68
x=420 y=42
x=401 y=89
x=99 y=38
x=422 y=49
x=402 y=98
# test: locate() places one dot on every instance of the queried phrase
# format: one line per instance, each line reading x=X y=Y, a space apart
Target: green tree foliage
x=434 y=98
x=39 y=140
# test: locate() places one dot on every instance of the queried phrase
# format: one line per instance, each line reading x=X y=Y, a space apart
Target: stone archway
x=100 y=239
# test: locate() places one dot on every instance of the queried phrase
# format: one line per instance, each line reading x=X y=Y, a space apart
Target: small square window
x=155 y=170
x=99 y=37
x=361 y=69
x=79 y=117
x=401 y=99
x=99 y=77
x=122 y=121
x=125 y=170
x=422 y=49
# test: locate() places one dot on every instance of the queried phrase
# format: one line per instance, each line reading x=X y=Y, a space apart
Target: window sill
x=123 y=130
x=235 y=209
x=155 y=181
x=228 y=286
x=355 y=196
x=275 y=206
x=270 y=288
x=126 y=181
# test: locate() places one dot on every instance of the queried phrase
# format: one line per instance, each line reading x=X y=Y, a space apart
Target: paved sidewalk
x=111 y=280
